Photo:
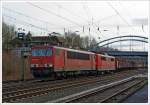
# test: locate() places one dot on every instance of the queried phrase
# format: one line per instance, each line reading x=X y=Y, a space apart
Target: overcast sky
x=46 y=17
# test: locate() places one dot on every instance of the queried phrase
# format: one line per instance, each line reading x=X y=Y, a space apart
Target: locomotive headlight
x=45 y=65
x=36 y=65
x=32 y=65
x=50 y=65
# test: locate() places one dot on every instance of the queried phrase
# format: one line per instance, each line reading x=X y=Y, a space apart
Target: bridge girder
x=132 y=38
x=124 y=40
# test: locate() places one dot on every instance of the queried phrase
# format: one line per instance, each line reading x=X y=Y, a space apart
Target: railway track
x=36 y=91
x=124 y=93
x=33 y=90
x=23 y=85
x=18 y=85
x=113 y=92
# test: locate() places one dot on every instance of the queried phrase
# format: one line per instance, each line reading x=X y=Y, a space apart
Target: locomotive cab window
x=42 y=52
x=103 y=58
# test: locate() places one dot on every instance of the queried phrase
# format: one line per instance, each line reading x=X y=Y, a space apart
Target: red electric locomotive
x=53 y=61
x=49 y=61
x=105 y=63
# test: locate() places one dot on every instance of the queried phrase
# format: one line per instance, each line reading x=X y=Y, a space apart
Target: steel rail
x=107 y=99
x=11 y=97
x=90 y=91
x=41 y=90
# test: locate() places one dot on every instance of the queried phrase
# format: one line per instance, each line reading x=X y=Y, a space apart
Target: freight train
x=54 y=61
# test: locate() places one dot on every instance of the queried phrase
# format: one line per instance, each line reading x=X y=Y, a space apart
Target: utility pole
x=119 y=35
x=130 y=45
x=22 y=67
x=24 y=54
x=89 y=36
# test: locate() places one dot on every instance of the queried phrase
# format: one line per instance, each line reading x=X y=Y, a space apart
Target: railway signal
x=24 y=54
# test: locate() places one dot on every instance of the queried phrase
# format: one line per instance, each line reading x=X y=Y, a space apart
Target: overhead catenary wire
x=131 y=42
x=33 y=18
x=88 y=14
x=43 y=21
x=39 y=19
x=120 y=15
x=93 y=23
x=53 y=13
x=71 y=12
x=50 y=12
x=129 y=14
x=26 y=23
x=75 y=15
x=108 y=17
x=88 y=24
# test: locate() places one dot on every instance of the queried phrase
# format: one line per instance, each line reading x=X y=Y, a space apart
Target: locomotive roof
x=69 y=49
x=83 y=51
x=107 y=56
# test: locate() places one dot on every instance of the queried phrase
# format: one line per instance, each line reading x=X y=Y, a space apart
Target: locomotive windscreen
x=42 y=52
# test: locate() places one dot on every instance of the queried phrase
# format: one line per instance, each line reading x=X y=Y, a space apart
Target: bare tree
x=8 y=33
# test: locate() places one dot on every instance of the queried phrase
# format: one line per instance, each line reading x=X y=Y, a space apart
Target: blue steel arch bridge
x=105 y=48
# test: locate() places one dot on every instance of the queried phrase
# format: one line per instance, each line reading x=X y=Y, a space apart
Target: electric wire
x=53 y=13
x=33 y=18
x=26 y=23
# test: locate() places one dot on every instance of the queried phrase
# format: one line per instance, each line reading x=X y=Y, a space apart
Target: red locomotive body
x=72 y=60
x=105 y=62
x=42 y=60
x=52 y=60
